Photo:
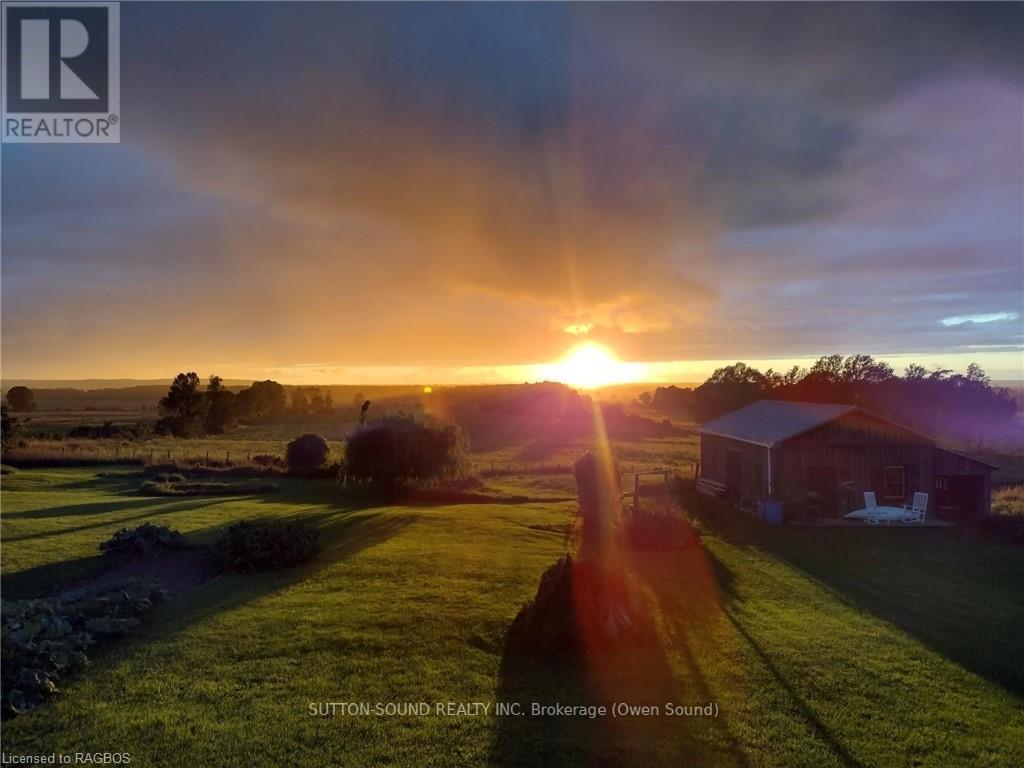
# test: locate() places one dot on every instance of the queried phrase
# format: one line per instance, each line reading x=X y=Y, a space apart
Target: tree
x=299 y=402
x=672 y=399
x=737 y=373
x=183 y=408
x=726 y=390
x=262 y=402
x=915 y=372
x=10 y=428
x=864 y=369
x=21 y=399
x=975 y=374
x=220 y=407
x=306 y=453
x=938 y=401
x=393 y=450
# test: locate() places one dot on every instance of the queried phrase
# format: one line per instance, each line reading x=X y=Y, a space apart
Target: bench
x=711 y=488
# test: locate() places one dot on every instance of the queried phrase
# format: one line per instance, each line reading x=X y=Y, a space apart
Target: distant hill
x=144 y=394
x=87 y=384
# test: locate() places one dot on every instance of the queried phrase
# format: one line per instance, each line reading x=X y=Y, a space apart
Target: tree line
x=189 y=411
x=963 y=405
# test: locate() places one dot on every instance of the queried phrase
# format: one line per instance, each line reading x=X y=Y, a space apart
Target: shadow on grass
x=38 y=581
x=343 y=534
x=153 y=508
x=807 y=713
x=85 y=510
x=49 y=577
x=956 y=591
x=688 y=587
x=637 y=677
x=693 y=589
x=330 y=514
x=529 y=741
x=953 y=589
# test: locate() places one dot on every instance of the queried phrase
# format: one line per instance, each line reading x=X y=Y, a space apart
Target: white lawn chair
x=914 y=513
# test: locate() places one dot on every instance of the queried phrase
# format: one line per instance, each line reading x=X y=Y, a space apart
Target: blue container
x=772 y=512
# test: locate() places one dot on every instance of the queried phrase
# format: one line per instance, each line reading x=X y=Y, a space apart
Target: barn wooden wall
x=754 y=462
x=856 y=447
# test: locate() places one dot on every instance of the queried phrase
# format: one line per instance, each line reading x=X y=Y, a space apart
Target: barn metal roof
x=768 y=422
x=975 y=459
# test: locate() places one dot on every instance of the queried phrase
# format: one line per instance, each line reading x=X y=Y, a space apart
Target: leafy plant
x=186 y=488
x=143 y=540
x=247 y=546
x=579 y=599
x=11 y=428
x=269 y=460
x=393 y=450
x=44 y=640
x=306 y=453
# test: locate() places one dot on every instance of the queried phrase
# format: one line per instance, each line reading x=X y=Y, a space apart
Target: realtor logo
x=61 y=72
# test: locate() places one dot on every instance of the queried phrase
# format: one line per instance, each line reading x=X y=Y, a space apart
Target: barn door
x=963 y=496
x=733 y=476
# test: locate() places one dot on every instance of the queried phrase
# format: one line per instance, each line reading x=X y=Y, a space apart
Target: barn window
x=942 y=483
x=894 y=483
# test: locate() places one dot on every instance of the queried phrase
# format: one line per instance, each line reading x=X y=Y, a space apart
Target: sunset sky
x=458 y=193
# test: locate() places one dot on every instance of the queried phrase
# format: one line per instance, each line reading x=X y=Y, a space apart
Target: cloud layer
x=455 y=185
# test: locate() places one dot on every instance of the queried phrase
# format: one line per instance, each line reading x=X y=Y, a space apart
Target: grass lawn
x=821 y=647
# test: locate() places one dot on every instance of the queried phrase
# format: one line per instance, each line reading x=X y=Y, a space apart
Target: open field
x=859 y=647
x=677 y=453
x=238 y=447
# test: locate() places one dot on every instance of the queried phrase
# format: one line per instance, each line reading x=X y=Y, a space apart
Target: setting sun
x=589 y=366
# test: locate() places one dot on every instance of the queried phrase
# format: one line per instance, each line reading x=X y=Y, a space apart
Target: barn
x=820 y=458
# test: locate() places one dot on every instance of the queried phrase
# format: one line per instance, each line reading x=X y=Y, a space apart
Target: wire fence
x=79 y=453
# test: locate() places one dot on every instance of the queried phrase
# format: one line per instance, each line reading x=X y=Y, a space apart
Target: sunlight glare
x=591 y=365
